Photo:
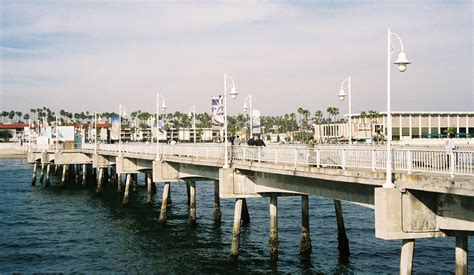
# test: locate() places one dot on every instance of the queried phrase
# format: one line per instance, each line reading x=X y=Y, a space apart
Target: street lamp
x=233 y=93
x=250 y=111
x=402 y=63
x=163 y=108
x=95 y=133
x=192 y=114
x=124 y=113
x=342 y=95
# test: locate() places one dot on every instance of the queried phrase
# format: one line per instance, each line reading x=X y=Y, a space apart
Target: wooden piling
x=343 y=241
x=48 y=174
x=149 y=188
x=461 y=253
x=305 y=247
x=164 y=203
x=100 y=182
x=245 y=212
x=35 y=168
x=217 y=203
x=406 y=258
x=127 y=188
x=273 y=240
x=63 y=176
x=169 y=194
x=84 y=174
x=192 y=203
x=234 y=250
x=41 y=173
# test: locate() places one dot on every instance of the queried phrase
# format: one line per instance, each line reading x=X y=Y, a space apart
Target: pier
x=432 y=198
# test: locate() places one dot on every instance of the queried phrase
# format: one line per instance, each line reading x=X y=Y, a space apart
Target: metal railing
x=409 y=160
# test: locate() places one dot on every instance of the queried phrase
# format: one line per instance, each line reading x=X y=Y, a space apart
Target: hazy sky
x=93 y=55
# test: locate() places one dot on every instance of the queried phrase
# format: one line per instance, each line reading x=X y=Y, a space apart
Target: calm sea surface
x=74 y=230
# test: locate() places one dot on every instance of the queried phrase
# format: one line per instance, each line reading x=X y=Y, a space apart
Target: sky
x=95 y=55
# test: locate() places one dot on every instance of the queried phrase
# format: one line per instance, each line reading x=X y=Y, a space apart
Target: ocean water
x=74 y=230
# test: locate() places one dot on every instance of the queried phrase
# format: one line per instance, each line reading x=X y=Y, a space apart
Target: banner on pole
x=217 y=110
x=114 y=133
x=256 y=121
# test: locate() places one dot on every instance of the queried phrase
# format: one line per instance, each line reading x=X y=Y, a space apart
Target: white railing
x=409 y=160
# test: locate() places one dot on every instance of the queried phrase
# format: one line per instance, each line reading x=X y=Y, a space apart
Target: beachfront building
x=405 y=126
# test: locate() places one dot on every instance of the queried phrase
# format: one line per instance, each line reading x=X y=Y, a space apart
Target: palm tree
x=317 y=119
x=372 y=115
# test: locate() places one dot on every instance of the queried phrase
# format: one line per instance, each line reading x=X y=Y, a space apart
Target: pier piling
x=48 y=174
x=234 y=250
x=41 y=172
x=406 y=258
x=273 y=241
x=305 y=247
x=135 y=182
x=63 y=176
x=188 y=194
x=127 y=188
x=149 y=188
x=100 y=181
x=119 y=183
x=461 y=253
x=343 y=241
x=217 y=203
x=164 y=203
x=35 y=168
x=84 y=174
x=192 y=203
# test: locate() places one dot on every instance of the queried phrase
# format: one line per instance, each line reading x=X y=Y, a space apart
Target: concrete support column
x=119 y=183
x=101 y=181
x=410 y=125
x=127 y=188
x=192 y=202
x=429 y=124
x=401 y=126
x=273 y=240
x=457 y=123
x=234 y=250
x=245 y=212
x=439 y=124
x=48 y=174
x=217 y=203
x=188 y=194
x=149 y=189
x=406 y=258
x=135 y=182
x=420 y=130
x=63 y=176
x=343 y=242
x=41 y=173
x=35 y=168
x=84 y=174
x=169 y=193
x=77 y=175
x=461 y=253
x=164 y=203
x=305 y=247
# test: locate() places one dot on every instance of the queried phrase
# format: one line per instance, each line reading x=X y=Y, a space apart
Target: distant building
x=405 y=126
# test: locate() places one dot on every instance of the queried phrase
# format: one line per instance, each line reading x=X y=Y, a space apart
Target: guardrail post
x=343 y=158
x=259 y=153
x=318 y=158
x=409 y=161
x=452 y=163
x=373 y=160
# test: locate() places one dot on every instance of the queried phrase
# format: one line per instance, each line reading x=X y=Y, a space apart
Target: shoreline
x=10 y=154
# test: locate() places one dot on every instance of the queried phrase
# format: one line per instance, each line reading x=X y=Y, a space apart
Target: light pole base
x=388 y=184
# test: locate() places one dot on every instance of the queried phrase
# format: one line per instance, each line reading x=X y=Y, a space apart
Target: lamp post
x=402 y=63
x=29 y=135
x=192 y=113
x=163 y=108
x=95 y=133
x=233 y=93
x=245 y=108
x=342 y=95
x=120 y=127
